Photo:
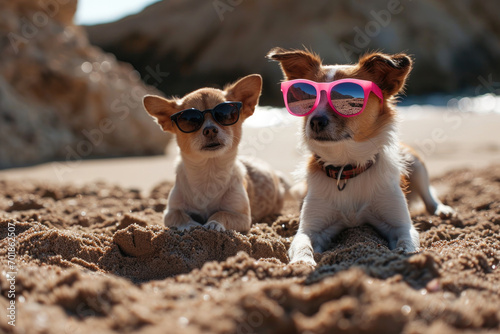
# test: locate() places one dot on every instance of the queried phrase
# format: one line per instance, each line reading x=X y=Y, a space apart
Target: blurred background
x=211 y=42
x=73 y=73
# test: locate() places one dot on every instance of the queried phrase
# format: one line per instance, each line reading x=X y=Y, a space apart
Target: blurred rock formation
x=212 y=42
x=60 y=97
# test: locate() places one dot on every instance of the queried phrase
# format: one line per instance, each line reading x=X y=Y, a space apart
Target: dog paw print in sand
x=135 y=240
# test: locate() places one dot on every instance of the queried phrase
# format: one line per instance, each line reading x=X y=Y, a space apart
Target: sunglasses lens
x=301 y=98
x=226 y=114
x=190 y=120
x=347 y=98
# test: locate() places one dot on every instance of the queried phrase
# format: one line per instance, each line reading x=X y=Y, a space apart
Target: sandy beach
x=94 y=257
x=83 y=246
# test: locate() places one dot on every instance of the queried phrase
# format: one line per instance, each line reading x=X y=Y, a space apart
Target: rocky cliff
x=211 y=42
x=62 y=98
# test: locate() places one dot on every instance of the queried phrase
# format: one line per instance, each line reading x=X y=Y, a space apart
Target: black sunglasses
x=191 y=120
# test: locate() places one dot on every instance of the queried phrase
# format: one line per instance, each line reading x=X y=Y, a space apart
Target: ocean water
x=411 y=108
x=91 y=12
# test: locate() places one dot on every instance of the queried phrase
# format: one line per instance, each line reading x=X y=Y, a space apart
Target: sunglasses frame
x=175 y=116
x=368 y=87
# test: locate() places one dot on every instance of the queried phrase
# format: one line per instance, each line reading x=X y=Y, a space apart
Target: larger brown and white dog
x=369 y=144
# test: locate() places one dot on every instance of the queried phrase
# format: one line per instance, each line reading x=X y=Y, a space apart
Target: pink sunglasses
x=347 y=97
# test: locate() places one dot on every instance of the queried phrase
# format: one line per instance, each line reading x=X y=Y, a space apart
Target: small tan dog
x=355 y=172
x=214 y=187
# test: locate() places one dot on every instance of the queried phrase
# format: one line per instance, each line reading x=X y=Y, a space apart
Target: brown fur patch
x=313 y=165
x=246 y=90
x=372 y=120
x=297 y=64
x=404 y=183
x=161 y=109
x=202 y=99
x=389 y=72
x=390 y=76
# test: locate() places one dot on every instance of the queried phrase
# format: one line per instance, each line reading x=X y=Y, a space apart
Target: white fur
x=332 y=69
x=420 y=187
x=373 y=197
x=204 y=187
x=223 y=137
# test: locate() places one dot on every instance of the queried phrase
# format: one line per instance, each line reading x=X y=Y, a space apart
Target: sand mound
x=97 y=259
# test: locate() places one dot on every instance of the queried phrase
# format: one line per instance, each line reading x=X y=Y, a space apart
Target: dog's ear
x=246 y=90
x=389 y=72
x=296 y=64
x=161 y=109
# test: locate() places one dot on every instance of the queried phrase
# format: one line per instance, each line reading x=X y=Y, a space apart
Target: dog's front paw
x=307 y=259
x=445 y=211
x=187 y=226
x=301 y=250
x=406 y=246
x=214 y=225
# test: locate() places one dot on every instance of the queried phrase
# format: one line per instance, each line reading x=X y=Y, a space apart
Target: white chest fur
x=201 y=190
x=358 y=203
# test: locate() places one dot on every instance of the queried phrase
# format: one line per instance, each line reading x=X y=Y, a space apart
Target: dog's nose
x=318 y=123
x=210 y=131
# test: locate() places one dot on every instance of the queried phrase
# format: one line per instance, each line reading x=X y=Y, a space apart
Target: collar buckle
x=338 y=179
x=344 y=172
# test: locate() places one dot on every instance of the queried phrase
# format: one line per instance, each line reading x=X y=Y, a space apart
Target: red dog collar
x=343 y=172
